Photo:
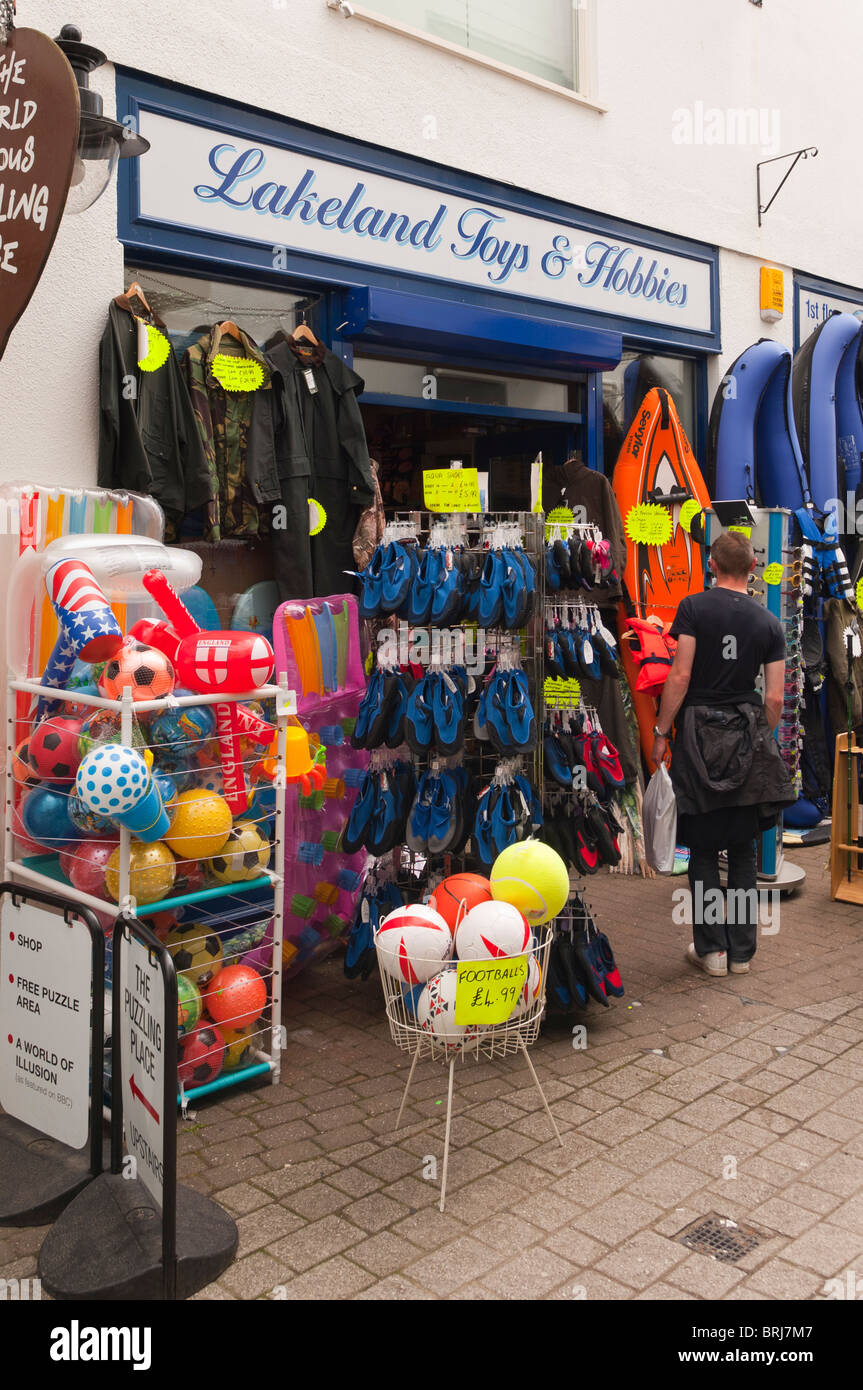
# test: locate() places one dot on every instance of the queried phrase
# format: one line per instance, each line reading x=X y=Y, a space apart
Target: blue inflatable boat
x=816 y=380
x=752 y=445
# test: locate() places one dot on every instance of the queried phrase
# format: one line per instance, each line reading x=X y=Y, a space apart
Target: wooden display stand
x=846 y=879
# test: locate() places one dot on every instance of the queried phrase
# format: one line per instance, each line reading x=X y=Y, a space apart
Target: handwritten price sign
x=487 y=991
x=648 y=524
x=451 y=490
x=237 y=373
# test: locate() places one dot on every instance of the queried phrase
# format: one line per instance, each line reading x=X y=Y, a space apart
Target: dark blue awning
x=393 y=319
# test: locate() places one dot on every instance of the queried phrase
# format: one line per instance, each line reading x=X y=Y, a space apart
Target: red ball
x=238 y=996
x=53 y=749
x=84 y=864
x=200 y=1055
x=190 y=877
x=458 y=889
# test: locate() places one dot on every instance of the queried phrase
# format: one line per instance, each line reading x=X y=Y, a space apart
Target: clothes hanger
x=134 y=301
x=302 y=330
x=230 y=329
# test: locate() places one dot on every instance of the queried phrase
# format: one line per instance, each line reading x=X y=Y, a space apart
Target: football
x=245 y=853
x=53 y=749
x=143 y=670
x=196 y=952
x=200 y=1055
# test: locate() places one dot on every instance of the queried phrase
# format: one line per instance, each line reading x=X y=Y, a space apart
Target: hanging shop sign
x=45 y=989
x=39 y=111
x=203 y=179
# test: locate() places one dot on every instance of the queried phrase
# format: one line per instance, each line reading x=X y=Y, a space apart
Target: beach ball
x=45 y=816
x=104 y=726
x=189 y=1006
x=491 y=930
x=533 y=877
x=435 y=1013
x=143 y=670
x=84 y=864
x=239 y=1045
x=244 y=855
x=200 y=1056
x=188 y=723
x=53 y=748
x=152 y=871
x=112 y=779
x=412 y=943
x=196 y=952
x=237 y=996
x=458 y=889
x=202 y=823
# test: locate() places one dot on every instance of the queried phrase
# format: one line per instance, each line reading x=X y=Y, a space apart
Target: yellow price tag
x=561 y=690
x=773 y=573
x=451 y=490
x=744 y=530
x=859 y=593
x=558 y=516
x=688 y=512
x=317 y=517
x=487 y=991
x=648 y=524
x=158 y=347
x=237 y=373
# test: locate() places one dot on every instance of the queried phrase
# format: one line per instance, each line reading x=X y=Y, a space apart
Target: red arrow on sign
x=139 y=1095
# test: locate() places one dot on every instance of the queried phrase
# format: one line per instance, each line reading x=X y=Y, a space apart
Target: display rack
x=227 y=901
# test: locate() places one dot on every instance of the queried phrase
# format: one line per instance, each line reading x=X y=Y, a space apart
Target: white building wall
x=796 y=64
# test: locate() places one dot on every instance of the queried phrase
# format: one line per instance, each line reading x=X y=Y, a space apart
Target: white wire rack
x=421 y=1017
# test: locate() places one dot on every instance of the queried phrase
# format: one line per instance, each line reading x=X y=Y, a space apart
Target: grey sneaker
x=738 y=967
x=714 y=963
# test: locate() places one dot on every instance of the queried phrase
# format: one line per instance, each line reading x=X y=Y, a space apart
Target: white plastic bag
x=659 y=814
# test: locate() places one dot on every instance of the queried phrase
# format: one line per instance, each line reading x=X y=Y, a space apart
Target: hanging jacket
x=575 y=485
x=148 y=439
x=842 y=618
x=654 y=654
x=726 y=756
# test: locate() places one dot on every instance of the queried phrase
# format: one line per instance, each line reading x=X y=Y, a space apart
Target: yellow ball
x=152 y=869
x=201 y=825
x=532 y=877
x=240 y=1044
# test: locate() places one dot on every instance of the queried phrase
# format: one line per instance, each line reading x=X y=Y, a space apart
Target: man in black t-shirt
x=724 y=639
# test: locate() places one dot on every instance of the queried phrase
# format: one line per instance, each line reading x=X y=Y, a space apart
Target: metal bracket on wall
x=809 y=152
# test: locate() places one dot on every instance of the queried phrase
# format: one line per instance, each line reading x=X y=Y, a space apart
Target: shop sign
x=813 y=308
x=38 y=140
x=142 y=1061
x=45 y=989
x=203 y=179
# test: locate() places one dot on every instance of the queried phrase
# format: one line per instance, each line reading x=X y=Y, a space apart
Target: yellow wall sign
x=451 y=490
x=560 y=690
x=648 y=524
x=558 y=516
x=157 y=348
x=744 y=530
x=773 y=574
x=772 y=293
x=237 y=373
x=688 y=512
x=486 y=991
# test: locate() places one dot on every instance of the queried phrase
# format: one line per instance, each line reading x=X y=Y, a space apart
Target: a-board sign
x=142 y=1061
x=487 y=991
x=38 y=144
x=45 y=991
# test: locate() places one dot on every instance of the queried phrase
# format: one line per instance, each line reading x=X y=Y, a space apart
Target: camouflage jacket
x=223 y=418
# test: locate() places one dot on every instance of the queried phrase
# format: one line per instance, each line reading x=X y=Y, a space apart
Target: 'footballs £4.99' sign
x=37 y=157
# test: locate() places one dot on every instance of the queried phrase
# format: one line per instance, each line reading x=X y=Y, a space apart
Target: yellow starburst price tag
x=648 y=523
x=237 y=373
x=317 y=517
x=558 y=516
x=688 y=512
x=153 y=347
x=773 y=574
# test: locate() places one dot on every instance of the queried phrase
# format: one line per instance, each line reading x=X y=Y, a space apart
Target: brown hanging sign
x=39 y=112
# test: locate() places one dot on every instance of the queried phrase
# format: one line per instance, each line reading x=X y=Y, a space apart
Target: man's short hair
x=732 y=554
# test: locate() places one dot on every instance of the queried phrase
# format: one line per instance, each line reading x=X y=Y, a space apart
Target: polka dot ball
x=110 y=779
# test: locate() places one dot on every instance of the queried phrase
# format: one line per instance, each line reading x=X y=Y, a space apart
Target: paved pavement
x=741 y=1098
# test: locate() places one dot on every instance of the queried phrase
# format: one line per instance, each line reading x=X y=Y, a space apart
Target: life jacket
x=654 y=653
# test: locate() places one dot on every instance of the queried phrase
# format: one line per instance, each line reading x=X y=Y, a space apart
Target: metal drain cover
x=720 y=1237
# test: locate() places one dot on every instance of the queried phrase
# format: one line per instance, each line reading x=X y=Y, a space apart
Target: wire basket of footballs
x=478 y=949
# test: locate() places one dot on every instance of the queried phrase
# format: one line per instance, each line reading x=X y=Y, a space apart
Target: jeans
x=719 y=923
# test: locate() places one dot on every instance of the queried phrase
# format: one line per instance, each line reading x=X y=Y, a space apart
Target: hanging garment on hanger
x=312 y=438
x=224 y=418
x=148 y=438
x=575 y=485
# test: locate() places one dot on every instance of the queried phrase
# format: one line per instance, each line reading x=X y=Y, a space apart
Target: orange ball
x=237 y=997
x=447 y=899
